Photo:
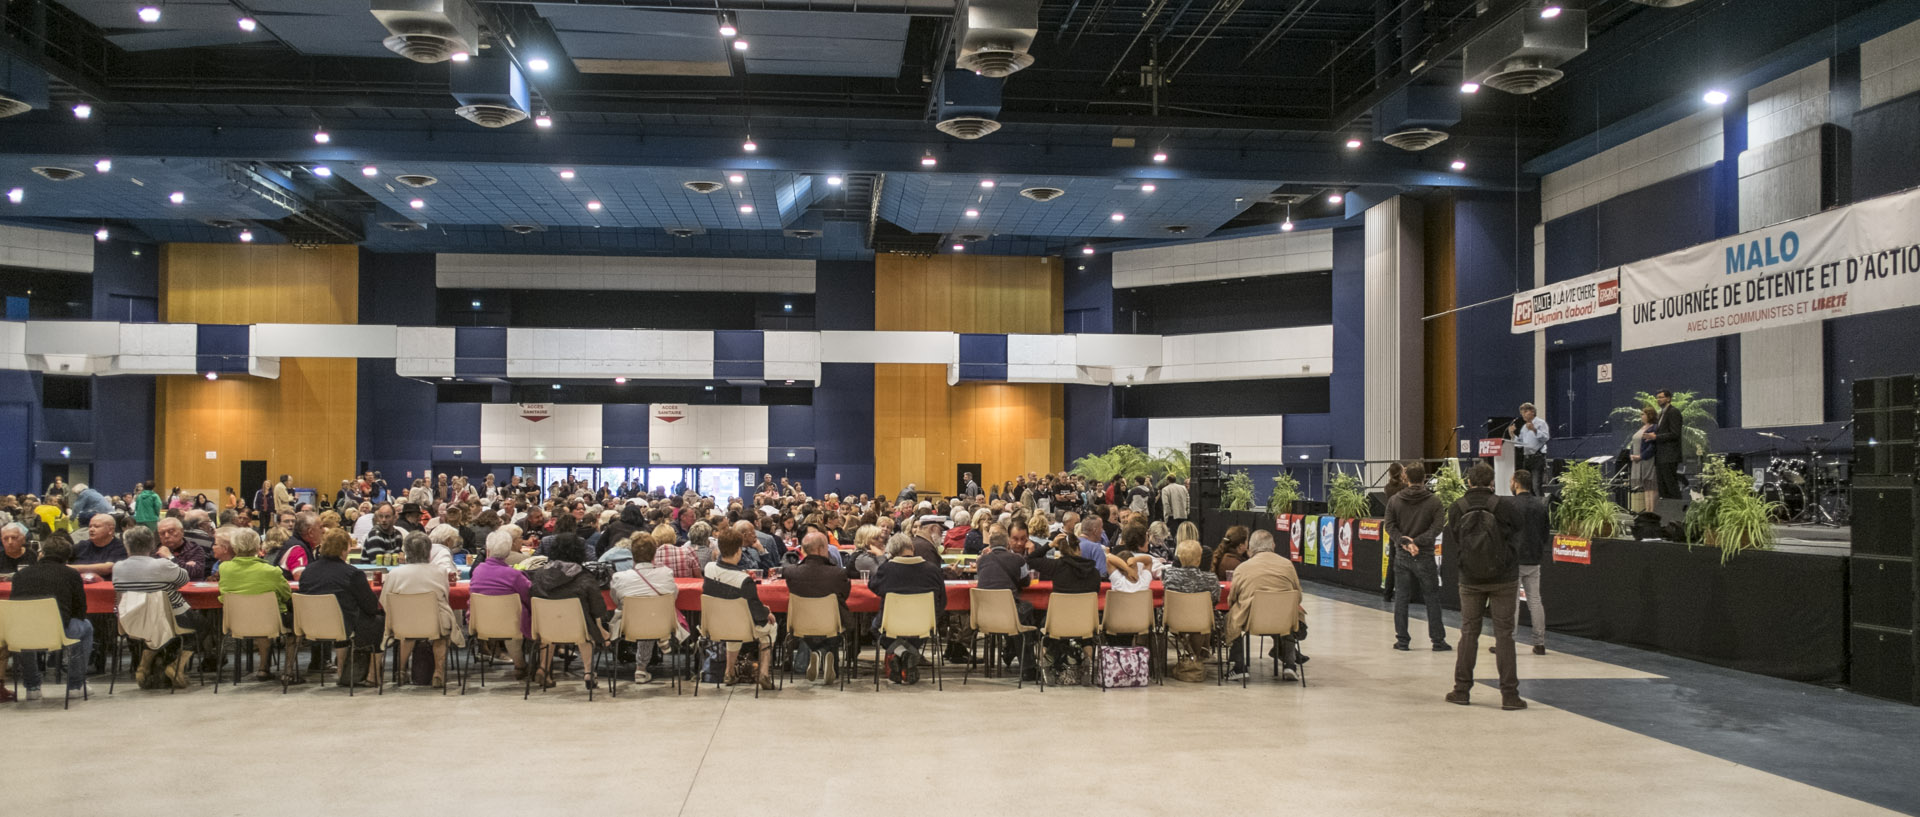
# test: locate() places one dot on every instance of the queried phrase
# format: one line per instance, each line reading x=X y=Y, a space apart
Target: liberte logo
x=1761 y=252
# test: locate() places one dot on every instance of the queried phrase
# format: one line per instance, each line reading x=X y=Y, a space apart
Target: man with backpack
x=1489 y=585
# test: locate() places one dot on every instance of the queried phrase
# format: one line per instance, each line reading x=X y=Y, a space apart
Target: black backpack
x=1482 y=547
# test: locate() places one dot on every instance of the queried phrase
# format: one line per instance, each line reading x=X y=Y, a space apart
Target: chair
x=815 y=618
x=647 y=618
x=996 y=615
x=494 y=618
x=726 y=621
x=318 y=618
x=560 y=621
x=1191 y=614
x=34 y=626
x=908 y=615
x=248 y=616
x=1273 y=614
x=1128 y=614
x=1070 y=615
x=416 y=617
x=121 y=635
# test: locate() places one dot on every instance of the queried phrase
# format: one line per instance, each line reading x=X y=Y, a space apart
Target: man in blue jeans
x=51 y=578
x=1414 y=520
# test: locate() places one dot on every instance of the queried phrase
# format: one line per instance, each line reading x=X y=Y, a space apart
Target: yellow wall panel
x=247 y=283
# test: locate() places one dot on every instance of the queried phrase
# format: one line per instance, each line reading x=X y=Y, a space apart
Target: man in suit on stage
x=1667 y=436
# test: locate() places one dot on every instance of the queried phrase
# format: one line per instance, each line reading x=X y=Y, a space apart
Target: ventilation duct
x=965 y=104
x=429 y=30
x=1523 y=53
x=996 y=37
x=1416 y=117
x=22 y=86
x=492 y=93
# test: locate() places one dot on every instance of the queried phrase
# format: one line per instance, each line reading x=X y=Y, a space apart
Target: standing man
x=1414 y=519
x=1489 y=585
x=1667 y=449
x=283 y=494
x=1529 y=533
x=969 y=488
x=1530 y=433
x=1174 y=502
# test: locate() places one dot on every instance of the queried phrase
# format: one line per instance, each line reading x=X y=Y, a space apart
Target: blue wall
x=398 y=416
x=843 y=401
x=1493 y=258
x=1348 y=383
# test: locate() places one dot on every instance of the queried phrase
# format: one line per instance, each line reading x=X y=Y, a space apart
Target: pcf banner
x=1589 y=296
x=1862 y=258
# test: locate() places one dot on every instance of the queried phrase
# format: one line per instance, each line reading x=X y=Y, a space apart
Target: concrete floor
x=1370 y=736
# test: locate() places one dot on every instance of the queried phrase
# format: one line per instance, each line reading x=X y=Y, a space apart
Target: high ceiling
x=1252 y=102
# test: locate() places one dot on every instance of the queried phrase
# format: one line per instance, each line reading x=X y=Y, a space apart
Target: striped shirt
x=147 y=574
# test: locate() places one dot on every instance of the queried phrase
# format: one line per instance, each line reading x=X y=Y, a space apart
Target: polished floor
x=1610 y=731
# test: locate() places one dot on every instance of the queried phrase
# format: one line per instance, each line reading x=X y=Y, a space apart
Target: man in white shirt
x=1530 y=433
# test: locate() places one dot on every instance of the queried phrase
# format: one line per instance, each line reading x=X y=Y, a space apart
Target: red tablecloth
x=206 y=595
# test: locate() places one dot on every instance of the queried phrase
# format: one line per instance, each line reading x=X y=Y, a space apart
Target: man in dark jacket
x=1529 y=533
x=1489 y=585
x=726 y=580
x=1069 y=571
x=1000 y=568
x=1414 y=519
x=1667 y=436
x=51 y=578
x=818 y=577
x=906 y=573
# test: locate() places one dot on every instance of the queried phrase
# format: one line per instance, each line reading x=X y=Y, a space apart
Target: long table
x=206 y=595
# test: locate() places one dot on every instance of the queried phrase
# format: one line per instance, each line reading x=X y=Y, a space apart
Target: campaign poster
x=1345 y=552
x=1329 y=556
x=1310 y=527
x=1288 y=526
x=1294 y=523
x=1572 y=549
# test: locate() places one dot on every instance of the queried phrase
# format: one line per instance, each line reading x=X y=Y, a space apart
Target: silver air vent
x=490 y=116
x=996 y=36
x=967 y=127
x=10 y=106
x=1415 y=139
x=682 y=232
x=1523 y=53
x=429 y=30
x=703 y=187
x=1043 y=193
x=416 y=180
x=59 y=174
x=525 y=229
x=403 y=226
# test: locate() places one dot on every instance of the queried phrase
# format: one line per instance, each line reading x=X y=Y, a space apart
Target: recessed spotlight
x=1549 y=12
x=959 y=248
x=709 y=388
x=727 y=29
x=16 y=195
x=213 y=375
x=1149 y=187
x=460 y=56
x=538 y=64
x=749 y=145
x=149 y=14
x=476 y=304
x=1469 y=87
x=1716 y=97
x=1459 y=164
x=322 y=171
x=566 y=174
x=620 y=380
x=972 y=213
x=1353 y=144
x=136 y=252
x=593 y=205
x=322 y=137
x=543 y=121
x=445 y=379
x=928 y=160
x=986 y=184
x=1335 y=198
x=556 y=387
x=103 y=165
x=739 y=45
x=833 y=181
x=177 y=197
x=1159 y=156
x=746 y=208
x=786 y=307
x=82 y=111
x=736 y=178
x=370 y=171
x=1118 y=216
x=246 y=236
x=101 y=234
x=417 y=203
x=1086 y=250
x=247 y=24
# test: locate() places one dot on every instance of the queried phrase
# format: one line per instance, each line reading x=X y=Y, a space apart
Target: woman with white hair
x=440 y=544
x=495 y=577
x=421 y=575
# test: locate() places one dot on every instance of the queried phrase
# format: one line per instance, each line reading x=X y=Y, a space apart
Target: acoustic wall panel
x=540 y=433
x=681 y=434
x=1254 y=440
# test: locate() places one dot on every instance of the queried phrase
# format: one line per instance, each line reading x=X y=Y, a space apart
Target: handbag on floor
x=1123 y=667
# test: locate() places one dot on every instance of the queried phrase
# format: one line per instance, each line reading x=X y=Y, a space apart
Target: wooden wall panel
x=968 y=293
x=1442 y=373
x=305 y=422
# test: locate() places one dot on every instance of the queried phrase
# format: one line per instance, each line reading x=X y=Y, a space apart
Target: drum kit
x=1811 y=490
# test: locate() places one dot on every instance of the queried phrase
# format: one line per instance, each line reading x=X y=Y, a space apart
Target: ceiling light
x=749 y=145
x=247 y=24
x=786 y=307
x=986 y=184
x=736 y=178
x=213 y=375
x=709 y=388
x=1335 y=197
x=727 y=29
x=103 y=165
x=1469 y=87
x=322 y=137
x=739 y=45
x=556 y=387
x=1287 y=226
x=1086 y=250
x=1716 y=97
x=322 y=171
x=543 y=121
x=746 y=208
x=417 y=203
x=370 y=171
x=149 y=14
x=476 y=304
x=1148 y=187
x=833 y=181
x=538 y=64
x=566 y=174
x=82 y=111
x=1549 y=12
x=1353 y=144
x=593 y=205
x=177 y=197
x=1160 y=156
x=101 y=234
x=972 y=213
x=959 y=248
x=620 y=380
x=16 y=195
x=927 y=160
x=1459 y=164
x=246 y=236
x=460 y=56
x=1118 y=216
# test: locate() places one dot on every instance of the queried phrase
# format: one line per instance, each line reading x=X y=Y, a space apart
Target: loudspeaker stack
x=1209 y=478
x=1884 y=573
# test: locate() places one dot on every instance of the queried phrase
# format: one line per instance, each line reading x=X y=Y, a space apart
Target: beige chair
x=909 y=615
x=1070 y=615
x=1127 y=614
x=416 y=617
x=1273 y=614
x=815 y=618
x=493 y=618
x=648 y=618
x=121 y=635
x=996 y=615
x=561 y=621
x=725 y=621
x=318 y=618
x=247 y=616
x=1191 y=614
x=34 y=626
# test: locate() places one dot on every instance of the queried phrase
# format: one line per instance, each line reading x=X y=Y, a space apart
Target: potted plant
x=1239 y=492
x=1696 y=418
x=1448 y=484
x=1286 y=491
x=1346 y=498
x=1732 y=517
x=1170 y=462
x=1585 y=508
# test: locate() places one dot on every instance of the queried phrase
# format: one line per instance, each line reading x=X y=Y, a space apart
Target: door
x=49 y=470
x=252 y=473
x=960 y=472
x=1578 y=401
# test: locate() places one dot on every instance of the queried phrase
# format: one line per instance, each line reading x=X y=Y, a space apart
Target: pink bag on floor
x=1123 y=667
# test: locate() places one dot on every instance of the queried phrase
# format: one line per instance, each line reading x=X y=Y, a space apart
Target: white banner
x=1589 y=296
x=1863 y=258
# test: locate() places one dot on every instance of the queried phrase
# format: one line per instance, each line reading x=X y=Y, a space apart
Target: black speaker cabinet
x=1880 y=662
x=1870 y=394
x=1880 y=592
x=1902 y=391
x=1883 y=516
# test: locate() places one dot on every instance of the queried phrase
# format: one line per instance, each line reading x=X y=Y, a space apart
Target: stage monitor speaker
x=1883 y=516
x=1901 y=391
x=1880 y=662
x=1870 y=394
x=1899 y=458
x=1898 y=428
x=1880 y=592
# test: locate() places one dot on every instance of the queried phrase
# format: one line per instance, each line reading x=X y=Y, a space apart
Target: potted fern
x=1585 y=508
x=1448 y=484
x=1239 y=492
x=1733 y=517
x=1346 y=499
x=1286 y=491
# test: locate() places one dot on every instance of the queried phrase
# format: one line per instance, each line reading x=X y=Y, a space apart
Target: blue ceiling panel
x=536 y=194
x=937 y=203
x=354 y=33
x=133 y=189
x=823 y=43
x=600 y=32
x=122 y=15
x=188 y=232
